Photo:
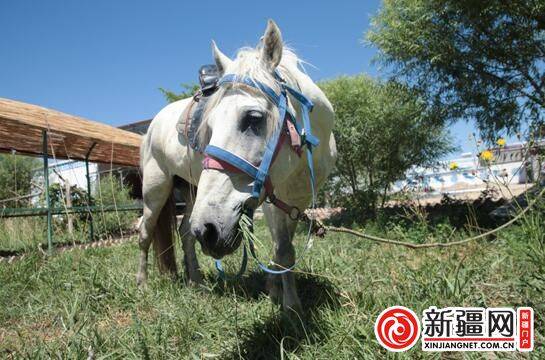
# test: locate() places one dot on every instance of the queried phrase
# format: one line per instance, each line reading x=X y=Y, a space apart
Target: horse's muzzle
x=213 y=244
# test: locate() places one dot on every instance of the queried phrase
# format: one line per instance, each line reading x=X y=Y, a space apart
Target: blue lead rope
x=260 y=174
x=241 y=271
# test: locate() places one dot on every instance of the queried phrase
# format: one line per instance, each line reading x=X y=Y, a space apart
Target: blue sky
x=105 y=60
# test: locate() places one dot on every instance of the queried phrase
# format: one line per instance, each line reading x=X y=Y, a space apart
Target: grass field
x=86 y=302
x=23 y=234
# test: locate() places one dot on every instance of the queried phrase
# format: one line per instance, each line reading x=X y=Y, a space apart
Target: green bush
x=57 y=199
x=382 y=129
x=110 y=191
x=16 y=174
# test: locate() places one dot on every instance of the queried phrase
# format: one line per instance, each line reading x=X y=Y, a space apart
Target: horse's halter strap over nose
x=221 y=159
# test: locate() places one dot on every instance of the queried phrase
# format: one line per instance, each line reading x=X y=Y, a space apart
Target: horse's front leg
x=192 y=270
x=282 y=230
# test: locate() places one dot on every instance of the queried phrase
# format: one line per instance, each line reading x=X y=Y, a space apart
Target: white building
x=72 y=171
x=509 y=169
x=61 y=171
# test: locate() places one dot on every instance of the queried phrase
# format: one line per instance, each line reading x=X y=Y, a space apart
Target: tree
x=16 y=174
x=58 y=197
x=382 y=130
x=188 y=90
x=481 y=60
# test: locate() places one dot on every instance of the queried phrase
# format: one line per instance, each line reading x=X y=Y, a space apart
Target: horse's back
x=164 y=123
x=165 y=145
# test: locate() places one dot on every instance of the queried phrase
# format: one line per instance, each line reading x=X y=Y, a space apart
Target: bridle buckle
x=295 y=213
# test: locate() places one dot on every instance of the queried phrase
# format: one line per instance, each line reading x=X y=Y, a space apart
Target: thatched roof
x=70 y=137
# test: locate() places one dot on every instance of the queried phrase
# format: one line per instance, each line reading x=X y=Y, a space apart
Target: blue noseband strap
x=234 y=160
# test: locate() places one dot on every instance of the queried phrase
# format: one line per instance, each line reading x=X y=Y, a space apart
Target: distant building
x=74 y=171
x=512 y=166
x=140 y=127
x=128 y=175
x=62 y=172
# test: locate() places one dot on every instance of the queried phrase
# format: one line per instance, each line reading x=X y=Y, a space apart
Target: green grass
x=78 y=302
x=23 y=234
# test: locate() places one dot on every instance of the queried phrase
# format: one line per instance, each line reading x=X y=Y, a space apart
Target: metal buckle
x=295 y=213
x=197 y=95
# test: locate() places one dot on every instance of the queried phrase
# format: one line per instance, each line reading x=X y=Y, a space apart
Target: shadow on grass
x=249 y=286
x=8 y=253
x=263 y=340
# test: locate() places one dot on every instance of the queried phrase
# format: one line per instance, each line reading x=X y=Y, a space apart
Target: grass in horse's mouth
x=246 y=224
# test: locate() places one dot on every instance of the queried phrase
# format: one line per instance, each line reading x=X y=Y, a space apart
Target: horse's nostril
x=210 y=234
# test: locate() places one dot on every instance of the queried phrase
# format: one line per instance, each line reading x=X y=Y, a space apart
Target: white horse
x=239 y=119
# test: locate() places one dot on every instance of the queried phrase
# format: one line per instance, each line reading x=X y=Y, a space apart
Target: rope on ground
x=436 y=244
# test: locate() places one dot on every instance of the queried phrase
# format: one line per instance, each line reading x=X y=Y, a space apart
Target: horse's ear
x=271 y=50
x=222 y=61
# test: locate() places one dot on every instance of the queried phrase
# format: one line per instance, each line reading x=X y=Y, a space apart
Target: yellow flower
x=501 y=142
x=487 y=155
x=453 y=166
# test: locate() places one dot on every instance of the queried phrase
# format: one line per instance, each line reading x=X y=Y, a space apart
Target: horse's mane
x=247 y=63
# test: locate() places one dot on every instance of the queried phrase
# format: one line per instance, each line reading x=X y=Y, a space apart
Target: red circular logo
x=397 y=328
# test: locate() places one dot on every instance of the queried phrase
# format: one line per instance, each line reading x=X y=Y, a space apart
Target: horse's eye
x=254 y=115
x=252 y=120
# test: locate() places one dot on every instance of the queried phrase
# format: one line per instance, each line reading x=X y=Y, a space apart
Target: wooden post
x=68 y=197
x=46 y=190
x=89 y=197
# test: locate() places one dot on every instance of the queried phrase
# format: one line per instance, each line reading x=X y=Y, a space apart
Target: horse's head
x=239 y=119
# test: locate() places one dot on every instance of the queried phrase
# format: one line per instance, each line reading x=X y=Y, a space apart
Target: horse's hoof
x=274 y=288
x=294 y=321
x=196 y=283
x=293 y=308
x=194 y=278
x=141 y=281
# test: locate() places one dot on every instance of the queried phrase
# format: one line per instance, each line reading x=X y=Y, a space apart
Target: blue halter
x=260 y=173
